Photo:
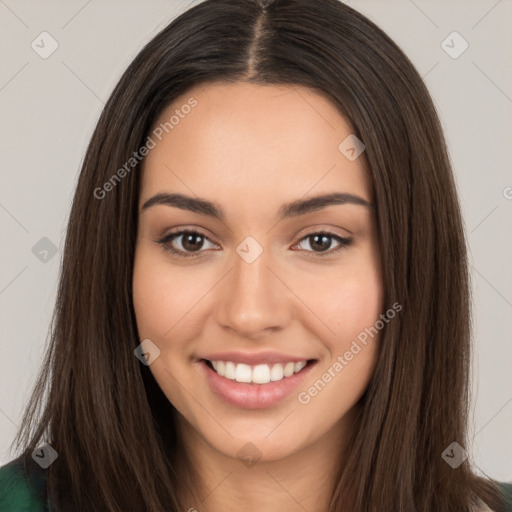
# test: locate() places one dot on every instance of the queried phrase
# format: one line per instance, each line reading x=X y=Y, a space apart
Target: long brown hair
x=102 y=410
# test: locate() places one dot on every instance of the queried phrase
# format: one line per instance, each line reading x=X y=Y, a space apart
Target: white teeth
x=229 y=371
x=221 y=368
x=289 y=369
x=277 y=372
x=243 y=373
x=259 y=374
x=299 y=366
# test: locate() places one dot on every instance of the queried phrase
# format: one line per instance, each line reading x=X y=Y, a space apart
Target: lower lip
x=254 y=396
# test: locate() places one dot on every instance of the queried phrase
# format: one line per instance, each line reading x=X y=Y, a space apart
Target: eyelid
x=165 y=240
x=169 y=237
x=342 y=242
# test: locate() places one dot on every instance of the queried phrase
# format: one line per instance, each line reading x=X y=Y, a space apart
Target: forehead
x=251 y=141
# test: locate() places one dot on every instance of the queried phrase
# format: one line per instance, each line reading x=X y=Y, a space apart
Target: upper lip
x=254 y=358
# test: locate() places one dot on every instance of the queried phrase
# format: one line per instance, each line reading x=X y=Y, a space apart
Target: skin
x=250 y=149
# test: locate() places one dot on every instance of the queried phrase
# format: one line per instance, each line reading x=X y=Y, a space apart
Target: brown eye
x=190 y=241
x=322 y=242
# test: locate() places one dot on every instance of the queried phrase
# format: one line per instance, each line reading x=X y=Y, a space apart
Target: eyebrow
x=293 y=209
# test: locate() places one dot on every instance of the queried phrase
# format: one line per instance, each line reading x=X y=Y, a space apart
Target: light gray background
x=49 y=108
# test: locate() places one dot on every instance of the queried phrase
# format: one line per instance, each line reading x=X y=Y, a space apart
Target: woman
x=264 y=294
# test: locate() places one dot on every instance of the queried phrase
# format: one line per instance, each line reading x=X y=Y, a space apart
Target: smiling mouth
x=257 y=374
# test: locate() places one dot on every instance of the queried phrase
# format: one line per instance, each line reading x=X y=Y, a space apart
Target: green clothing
x=506 y=490
x=19 y=493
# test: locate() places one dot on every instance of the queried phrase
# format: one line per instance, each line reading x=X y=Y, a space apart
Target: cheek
x=348 y=301
x=162 y=297
x=153 y=300
x=351 y=302
x=351 y=310
x=161 y=301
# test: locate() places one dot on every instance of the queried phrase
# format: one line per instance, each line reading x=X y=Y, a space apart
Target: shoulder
x=506 y=491
x=22 y=491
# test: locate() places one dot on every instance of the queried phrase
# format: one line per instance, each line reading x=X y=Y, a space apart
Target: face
x=237 y=269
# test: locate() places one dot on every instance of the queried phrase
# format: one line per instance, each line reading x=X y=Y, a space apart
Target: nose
x=253 y=300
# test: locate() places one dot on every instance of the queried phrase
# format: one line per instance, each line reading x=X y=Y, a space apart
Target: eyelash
x=344 y=242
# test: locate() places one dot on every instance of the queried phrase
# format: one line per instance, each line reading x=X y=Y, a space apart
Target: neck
x=304 y=480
